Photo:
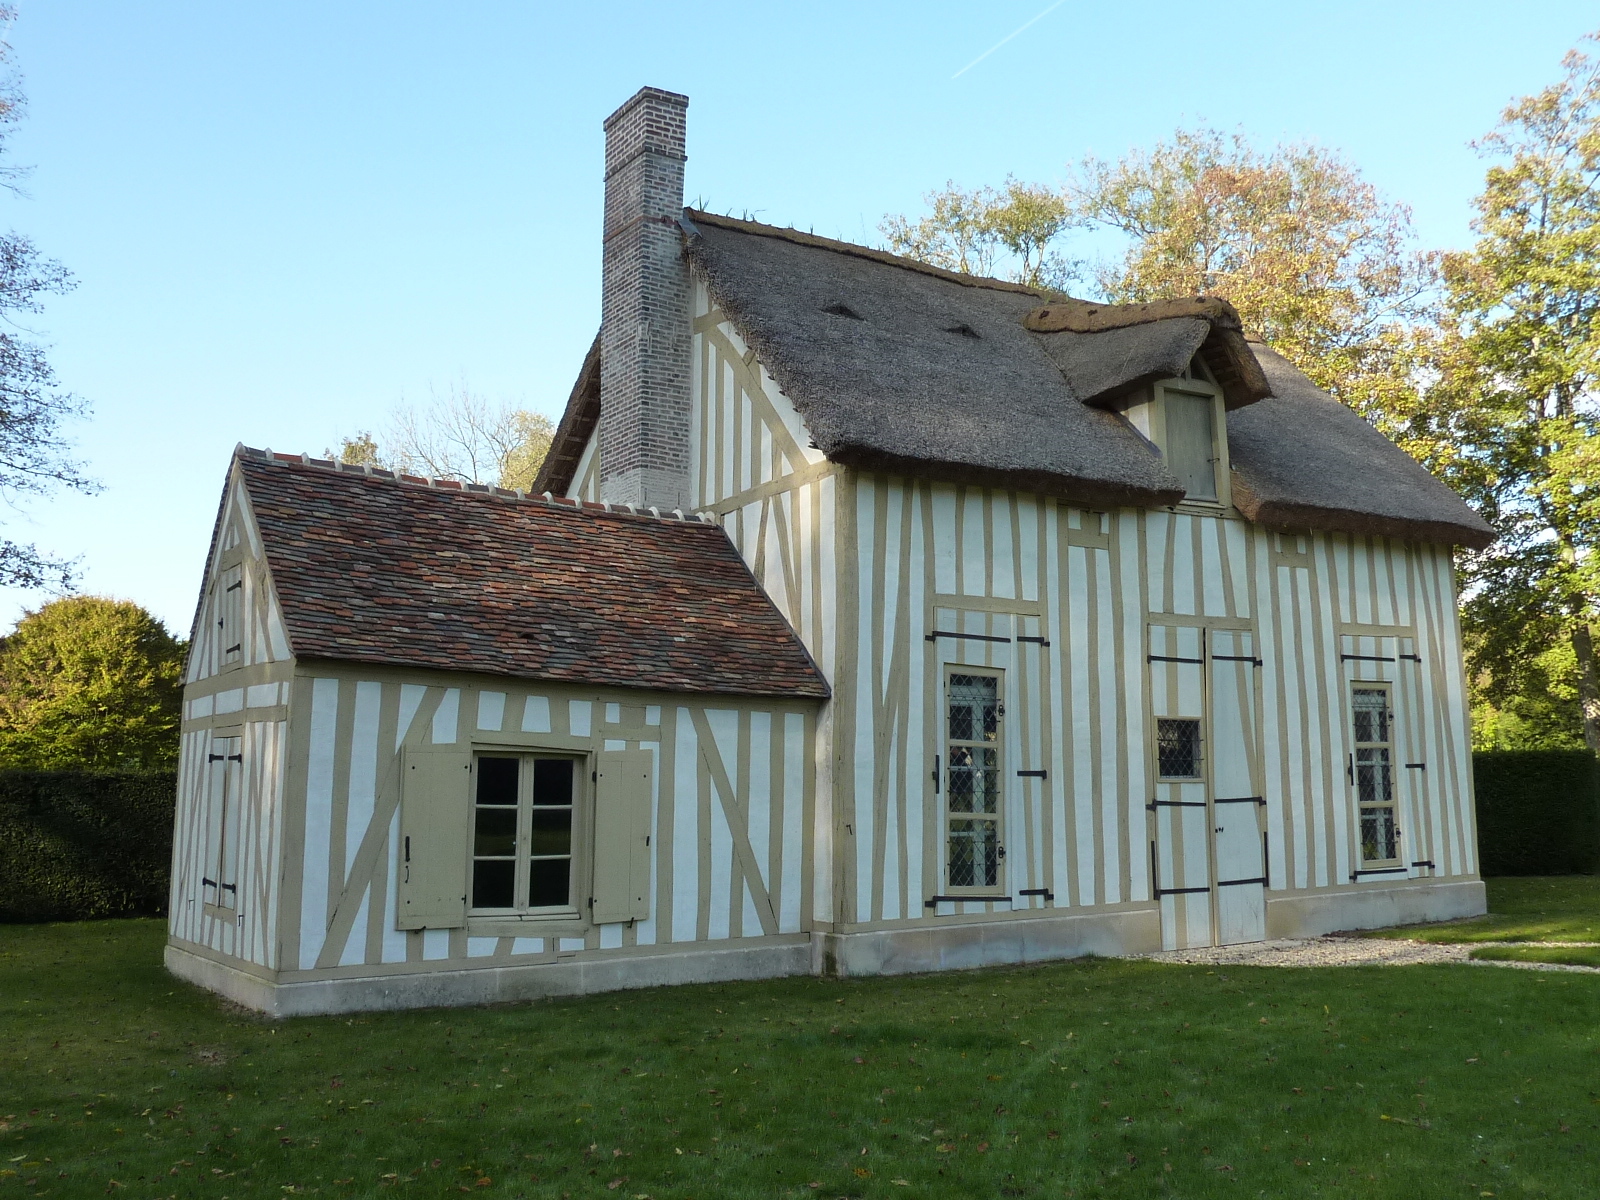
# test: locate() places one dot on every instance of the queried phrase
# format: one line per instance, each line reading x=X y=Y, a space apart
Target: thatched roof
x=1303 y=460
x=898 y=366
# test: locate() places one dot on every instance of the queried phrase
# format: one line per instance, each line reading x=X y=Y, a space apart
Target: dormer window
x=1188 y=423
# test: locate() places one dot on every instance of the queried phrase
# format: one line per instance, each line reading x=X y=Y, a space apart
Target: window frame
x=1391 y=746
x=517 y=919
x=947 y=815
x=1202 y=759
x=1196 y=385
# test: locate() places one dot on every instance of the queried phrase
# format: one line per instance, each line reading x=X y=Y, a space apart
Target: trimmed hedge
x=75 y=845
x=1538 y=812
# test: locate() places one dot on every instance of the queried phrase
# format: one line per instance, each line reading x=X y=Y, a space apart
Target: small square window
x=1177 y=748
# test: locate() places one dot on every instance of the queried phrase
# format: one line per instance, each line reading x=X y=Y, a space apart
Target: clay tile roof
x=376 y=569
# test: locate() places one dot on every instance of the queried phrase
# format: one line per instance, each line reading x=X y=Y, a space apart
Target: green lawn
x=1546 y=908
x=1572 y=956
x=1100 y=1078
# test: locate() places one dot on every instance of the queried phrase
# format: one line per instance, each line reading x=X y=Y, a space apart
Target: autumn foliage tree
x=92 y=684
x=458 y=435
x=1518 y=363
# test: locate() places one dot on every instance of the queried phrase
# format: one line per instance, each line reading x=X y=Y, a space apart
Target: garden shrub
x=1538 y=812
x=75 y=845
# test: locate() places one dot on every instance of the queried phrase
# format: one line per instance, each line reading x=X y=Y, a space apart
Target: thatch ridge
x=695 y=217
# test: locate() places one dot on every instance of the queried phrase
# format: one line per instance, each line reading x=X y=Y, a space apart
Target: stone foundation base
x=1034 y=938
x=1366 y=906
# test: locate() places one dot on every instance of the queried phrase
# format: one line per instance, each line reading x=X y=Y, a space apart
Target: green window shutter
x=435 y=809
x=621 y=890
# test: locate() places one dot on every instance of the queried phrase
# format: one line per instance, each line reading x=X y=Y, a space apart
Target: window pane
x=552 y=780
x=551 y=831
x=974 y=854
x=495 y=833
x=494 y=883
x=1191 y=444
x=1178 y=749
x=1370 y=709
x=549 y=882
x=1378 y=834
x=974 y=779
x=974 y=708
x=497 y=781
x=1374 y=777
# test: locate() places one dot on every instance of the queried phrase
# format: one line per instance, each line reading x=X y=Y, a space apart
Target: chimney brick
x=645 y=319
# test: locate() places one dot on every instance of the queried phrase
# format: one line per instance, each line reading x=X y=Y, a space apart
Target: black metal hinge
x=1031 y=774
x=1378 y=871
x=1170 y=658
x=1416 y=766
x=1045 y=892
x=1236 y=658
x=970 y=637
x=1234 y=882
x=1365 y=658
x=1038 y=641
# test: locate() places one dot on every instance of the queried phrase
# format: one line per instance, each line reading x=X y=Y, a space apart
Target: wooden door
x=1180 y=824
x=1237 y=806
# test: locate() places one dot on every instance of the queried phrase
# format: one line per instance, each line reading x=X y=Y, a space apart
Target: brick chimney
x=645 y=317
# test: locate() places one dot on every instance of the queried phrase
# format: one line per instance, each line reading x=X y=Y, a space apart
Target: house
x=866 y=618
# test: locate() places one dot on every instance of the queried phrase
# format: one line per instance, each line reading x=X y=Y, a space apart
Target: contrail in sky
x=1007 y=38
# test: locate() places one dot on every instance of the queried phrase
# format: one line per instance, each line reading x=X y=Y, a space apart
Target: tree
x=34 y=457
x=1317 y=263
x=966 y=231
x=1313 y=258
x=90 y=683
x=1518 y=360
x=458 y=435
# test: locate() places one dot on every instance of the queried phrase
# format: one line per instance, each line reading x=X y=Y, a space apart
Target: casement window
x=1372 y=771
x=230 y=617
x=497 y=837
x=523 y=833
x=219 y=881
x=1190 y=426
x=1178 y=749
x=973 y=780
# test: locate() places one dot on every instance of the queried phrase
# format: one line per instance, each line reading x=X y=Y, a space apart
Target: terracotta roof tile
x=371 y=568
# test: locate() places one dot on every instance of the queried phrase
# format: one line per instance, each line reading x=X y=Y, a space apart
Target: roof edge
x=509 y=495
x=695 y=216
x=1288 y=517
x=578 y=421
x=1091 y=493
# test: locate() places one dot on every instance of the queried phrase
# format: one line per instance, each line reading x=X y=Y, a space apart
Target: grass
x=1572 y=956
x=1546 y=908
x=1098 y=1078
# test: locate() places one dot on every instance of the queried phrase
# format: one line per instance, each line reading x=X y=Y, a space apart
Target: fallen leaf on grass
x=615 y=1184
x=901 y=1182
x=863 y=1173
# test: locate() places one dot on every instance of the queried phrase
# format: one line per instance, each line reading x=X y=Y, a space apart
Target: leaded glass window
x=972 y=779
x=1178 y=748
x=1372 y=772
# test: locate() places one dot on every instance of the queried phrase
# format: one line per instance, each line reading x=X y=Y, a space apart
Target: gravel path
x=1338 y=950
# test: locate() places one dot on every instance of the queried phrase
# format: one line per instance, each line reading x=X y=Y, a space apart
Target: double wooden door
x=1208 y=849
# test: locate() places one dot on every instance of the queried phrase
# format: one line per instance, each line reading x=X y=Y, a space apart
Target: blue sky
x=285 y=218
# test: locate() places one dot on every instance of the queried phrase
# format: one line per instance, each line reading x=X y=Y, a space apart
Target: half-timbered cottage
x=865 y=618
